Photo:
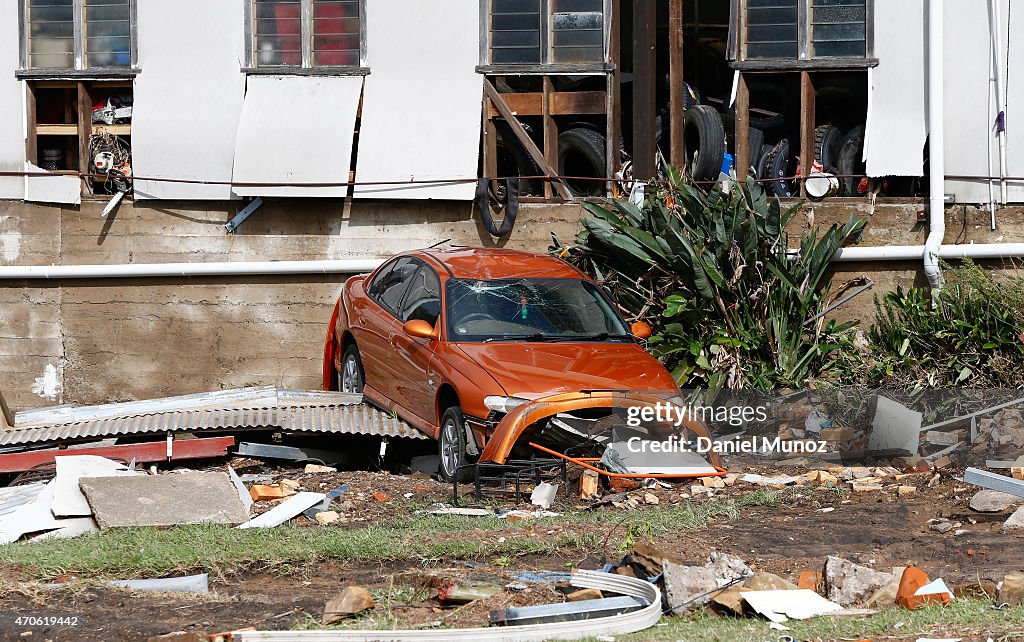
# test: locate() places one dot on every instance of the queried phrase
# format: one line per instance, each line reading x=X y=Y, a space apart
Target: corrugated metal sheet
x=350 y=419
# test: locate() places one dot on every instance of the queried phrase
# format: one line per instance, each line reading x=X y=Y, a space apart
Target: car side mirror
x=640 y=330
x=419 y=328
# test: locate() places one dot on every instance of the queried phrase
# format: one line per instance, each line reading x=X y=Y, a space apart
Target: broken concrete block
x=906 y=491
x=353 y=600
x=1011 y=591
x=317 y=468
x=686 y=587
x=262 y=492
x=1015 y=522
x=865 y=487
x=731 y=599
x=940 y=438
x=847 y=583
x=993 y=501
x=941 y=526
x=289 y=486
x=728 y=568
x=589 y=485
x=327 y=517
x=163 y=500
x=712 y=482
x=584 y=594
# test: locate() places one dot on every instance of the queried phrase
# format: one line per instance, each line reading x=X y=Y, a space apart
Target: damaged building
x=187 y=184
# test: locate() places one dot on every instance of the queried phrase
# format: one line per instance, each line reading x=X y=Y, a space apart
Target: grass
x=971 y=619
x=152 y=552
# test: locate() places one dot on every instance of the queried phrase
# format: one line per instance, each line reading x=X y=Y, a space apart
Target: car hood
x=533 y=370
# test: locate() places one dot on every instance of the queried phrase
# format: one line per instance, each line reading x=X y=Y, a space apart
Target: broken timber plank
x=524 y=138
x=147 y=452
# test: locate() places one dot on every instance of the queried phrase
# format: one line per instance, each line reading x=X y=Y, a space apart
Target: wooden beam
x=560 y=103
x=550 y=132
x=524 y=138
x=490 y=143
x=807 y=97
x=745 y=157
x=676 y=84
x=84 y=131
x=613 y=129
x=644 y=87
x=144 y=452
x=31 y=142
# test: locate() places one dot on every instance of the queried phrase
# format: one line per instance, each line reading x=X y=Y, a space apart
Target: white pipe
x=230 y=268
x=913 y=252
x=936 y=144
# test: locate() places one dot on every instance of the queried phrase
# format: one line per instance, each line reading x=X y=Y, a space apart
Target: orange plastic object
x=913 y=579
x=583 y=462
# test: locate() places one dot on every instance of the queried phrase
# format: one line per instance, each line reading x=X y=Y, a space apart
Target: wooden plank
x=644 y=87
x=84 y=132
x=807 y=97
x=676 y=85
x=31 y=142
x=118 y=130
x=144 y=452
x=56 y=130
x=550 y=133
x=524 y=138
x=560 y=103
x=490 y=142
x=745 y=157
x=614 y=97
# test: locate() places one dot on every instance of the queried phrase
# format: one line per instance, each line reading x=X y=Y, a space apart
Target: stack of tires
x=838 y=154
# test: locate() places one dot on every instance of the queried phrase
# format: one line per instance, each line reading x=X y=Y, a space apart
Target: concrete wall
x=107 y=340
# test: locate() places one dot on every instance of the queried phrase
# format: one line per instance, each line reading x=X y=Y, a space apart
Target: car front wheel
x=351 y=377
x=452 y=445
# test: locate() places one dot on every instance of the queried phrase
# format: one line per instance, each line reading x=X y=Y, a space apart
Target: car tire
x=703 y=142
x=762 y=161
x=827 y=139
x=451 y=446
x=849 y=163
x=513 y=160
x=777 y=167
x=755 y=140
x=352 y=377
x=581 y=152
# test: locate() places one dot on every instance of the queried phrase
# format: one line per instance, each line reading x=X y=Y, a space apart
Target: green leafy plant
x=712 y=272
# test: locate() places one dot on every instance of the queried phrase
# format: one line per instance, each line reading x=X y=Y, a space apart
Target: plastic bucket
x=820 y=185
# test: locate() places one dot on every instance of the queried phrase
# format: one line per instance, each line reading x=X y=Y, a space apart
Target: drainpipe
x=936 y=146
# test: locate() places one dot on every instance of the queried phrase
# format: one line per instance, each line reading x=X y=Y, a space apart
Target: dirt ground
x=876 y=528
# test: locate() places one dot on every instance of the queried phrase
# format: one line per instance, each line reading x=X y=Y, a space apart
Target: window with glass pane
x=772 y=30
x=108 y=37
x=277 y=28
x=838 y=28
x=515 y=31
x=577 y=31
x=51 y=34
x=336 y=35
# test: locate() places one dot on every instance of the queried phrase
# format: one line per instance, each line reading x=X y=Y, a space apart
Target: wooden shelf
x=117 y=130
x=56 y=130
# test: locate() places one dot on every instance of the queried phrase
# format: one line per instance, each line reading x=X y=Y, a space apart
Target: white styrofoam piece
x=781 y=605
x=56 y=188
x=894 y=427
x=68 y=500
x=188 y=97
x=70 y=527
x=421 y=108
x=936 y=586
x=298 y=129
x=895 y=131
x=12 y=109
x=243 y=492
x=292 y=507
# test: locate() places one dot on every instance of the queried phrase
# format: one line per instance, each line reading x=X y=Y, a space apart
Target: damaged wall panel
x=895 y=133
x=297 y=129
x=421 y=111
x=54 y=188
x=12 y=108
x=188 y=97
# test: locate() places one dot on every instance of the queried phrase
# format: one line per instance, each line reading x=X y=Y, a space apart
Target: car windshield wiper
x=539 y=336
x=606 y=336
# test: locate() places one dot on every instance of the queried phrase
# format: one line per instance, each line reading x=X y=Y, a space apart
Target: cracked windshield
x=531 y=310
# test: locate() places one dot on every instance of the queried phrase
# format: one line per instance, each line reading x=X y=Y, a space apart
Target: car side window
x=375 y=286
x=423 y=300
x=393 y=285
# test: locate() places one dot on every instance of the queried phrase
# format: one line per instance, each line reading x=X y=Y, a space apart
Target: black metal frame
x=491 y=478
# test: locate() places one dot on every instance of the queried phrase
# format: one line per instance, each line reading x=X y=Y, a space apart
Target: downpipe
x=936 y=146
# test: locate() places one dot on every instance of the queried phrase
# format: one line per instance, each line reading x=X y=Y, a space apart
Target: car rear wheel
x=351 y=378
x=451 y=443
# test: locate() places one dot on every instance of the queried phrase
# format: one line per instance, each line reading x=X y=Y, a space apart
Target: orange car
x=453 y=339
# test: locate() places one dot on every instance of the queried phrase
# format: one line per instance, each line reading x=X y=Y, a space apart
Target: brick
x=263 y=492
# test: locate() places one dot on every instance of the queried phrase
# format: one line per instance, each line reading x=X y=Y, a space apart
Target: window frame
x=79 y=70
x=546 y=47
x=803 y=59
x=306 y=67
x=403 y=305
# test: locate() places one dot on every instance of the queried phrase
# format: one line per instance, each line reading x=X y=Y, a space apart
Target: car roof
x=499 y=263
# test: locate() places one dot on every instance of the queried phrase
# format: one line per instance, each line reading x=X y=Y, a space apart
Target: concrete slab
x=68 y=500
x=163 y=500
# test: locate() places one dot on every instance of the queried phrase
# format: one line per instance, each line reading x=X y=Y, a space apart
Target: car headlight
x=503 y=404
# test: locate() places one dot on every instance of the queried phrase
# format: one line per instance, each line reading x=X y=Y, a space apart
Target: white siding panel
x=421 y=111
x=296 y=129
x=12 y=106
x=188 y=97
x=895 y=132
x=55 y=188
